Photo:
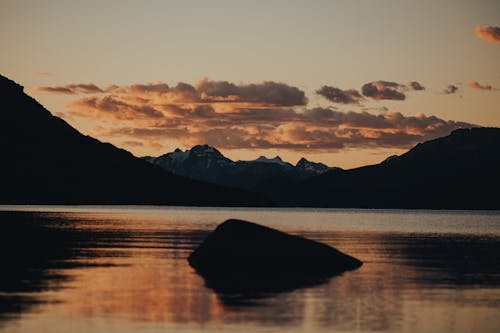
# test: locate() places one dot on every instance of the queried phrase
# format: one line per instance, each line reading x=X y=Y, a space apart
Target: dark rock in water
x=241 y=257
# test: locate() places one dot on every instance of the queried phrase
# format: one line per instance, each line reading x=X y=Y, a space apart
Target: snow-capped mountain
x=202 y=156
x=312 y=168
x=206 y=163
x=276 y=160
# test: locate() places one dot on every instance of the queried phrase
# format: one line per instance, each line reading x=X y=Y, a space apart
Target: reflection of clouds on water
x=113 y=267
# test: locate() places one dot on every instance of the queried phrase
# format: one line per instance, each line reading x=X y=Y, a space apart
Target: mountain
x=203 y=163
x=46 y=161
x=459 y=171
x=311 y=168
x=276 y=160
x=263 y=175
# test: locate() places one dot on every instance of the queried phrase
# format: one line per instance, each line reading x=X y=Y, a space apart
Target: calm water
x=124 y=269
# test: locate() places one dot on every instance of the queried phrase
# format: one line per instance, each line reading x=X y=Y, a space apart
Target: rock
x=240 y=256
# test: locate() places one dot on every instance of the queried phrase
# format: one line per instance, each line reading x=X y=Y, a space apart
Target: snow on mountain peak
x=277 y=160
x=203 y=150
x=312 y=167
x=177 y=155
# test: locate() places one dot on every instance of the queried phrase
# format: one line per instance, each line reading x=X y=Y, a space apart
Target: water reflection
x=121 y=270
x=36 y=254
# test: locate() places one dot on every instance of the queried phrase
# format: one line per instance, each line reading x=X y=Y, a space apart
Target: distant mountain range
x=46 y=161
x=459 y=171
x=206 y=163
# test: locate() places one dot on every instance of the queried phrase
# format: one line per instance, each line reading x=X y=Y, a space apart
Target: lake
x=124 y=269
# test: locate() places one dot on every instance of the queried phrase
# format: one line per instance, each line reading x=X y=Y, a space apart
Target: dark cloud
x=450 y=89
x=181 y=93
x=477 y=85
x=160 y=88
x=133 y=143
x=337 y=95
x=111 y=107
x=416 y=86
x=72 y=88
x=85 y=88
x=384 y=90
x=267 y=92
x=56 y=90
x=488 y=33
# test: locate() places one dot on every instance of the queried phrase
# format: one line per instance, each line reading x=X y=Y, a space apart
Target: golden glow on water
x=142 y=282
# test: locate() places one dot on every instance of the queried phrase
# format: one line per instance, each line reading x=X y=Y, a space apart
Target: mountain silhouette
x=46 y=161
x=263 y=175
x=459 y=171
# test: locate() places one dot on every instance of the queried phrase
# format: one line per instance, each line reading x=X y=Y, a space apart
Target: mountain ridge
x=206 y=163
x=458 y=171
x=46 y=161
x=50 y=162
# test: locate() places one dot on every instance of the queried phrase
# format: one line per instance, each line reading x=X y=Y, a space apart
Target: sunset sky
x=346 y=83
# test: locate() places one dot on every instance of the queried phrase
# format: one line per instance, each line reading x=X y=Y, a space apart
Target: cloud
x=133 y=143
x=327 y=130
x=56 y=90
x=477 y=85
x=488 y=33
x=85 y=88
x=267 y=93
x=319 y=129
x=416 y=86
x=111 y=107
x=379 y=90
x=450 y=89
x=247 y=116
x=337 y=95
x=379 y=109
x=72 y=88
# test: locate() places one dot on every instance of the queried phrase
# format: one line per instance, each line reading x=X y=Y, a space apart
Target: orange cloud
x=267 y=93
x=488 y=33
x=477 y=85
x=316 y=129
x=112 y=107
x=336 y=95
x=248 y=116
x=379 y=90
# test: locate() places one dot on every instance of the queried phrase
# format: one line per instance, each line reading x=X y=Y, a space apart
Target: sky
x=346 y=83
